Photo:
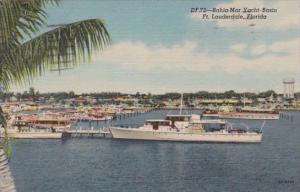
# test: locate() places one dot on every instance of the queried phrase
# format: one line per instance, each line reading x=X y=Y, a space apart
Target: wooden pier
x=86 y=133
x=133 y=114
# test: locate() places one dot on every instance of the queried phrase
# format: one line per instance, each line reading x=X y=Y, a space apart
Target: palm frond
x=60 y=47
x=20 y=19
x=20 y=62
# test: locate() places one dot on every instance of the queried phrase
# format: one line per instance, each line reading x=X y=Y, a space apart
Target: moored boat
x=187 y=128
x=251 y=113
x=34 y=134
x=38 y=127
x=210 y=113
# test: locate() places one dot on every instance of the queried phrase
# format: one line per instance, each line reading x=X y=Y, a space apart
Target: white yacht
x=188 y=128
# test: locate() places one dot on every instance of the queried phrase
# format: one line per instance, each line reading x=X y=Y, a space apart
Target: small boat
x=90 y=118
x=210 y=113
x=59 y=124
x=38 y=127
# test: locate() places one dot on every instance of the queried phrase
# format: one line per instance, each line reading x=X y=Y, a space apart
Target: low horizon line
x=153 y=93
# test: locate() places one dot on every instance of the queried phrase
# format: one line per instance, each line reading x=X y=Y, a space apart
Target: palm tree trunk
x=6 y=180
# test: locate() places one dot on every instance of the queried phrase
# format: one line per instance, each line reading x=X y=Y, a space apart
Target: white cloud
x=140 y=56
x=291 y=46
x=287 y=15
x=259 y=49
x=239 y=47
x=188 y=57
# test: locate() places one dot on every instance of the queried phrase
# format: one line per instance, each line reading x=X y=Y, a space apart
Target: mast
x=244 y=99
x=181 y=103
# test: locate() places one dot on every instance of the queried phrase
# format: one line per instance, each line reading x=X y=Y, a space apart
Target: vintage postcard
x=149 y=95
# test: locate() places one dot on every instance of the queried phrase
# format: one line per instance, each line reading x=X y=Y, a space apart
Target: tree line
x=32 y=94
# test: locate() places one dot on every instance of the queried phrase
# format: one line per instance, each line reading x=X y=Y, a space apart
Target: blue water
x=93 y=165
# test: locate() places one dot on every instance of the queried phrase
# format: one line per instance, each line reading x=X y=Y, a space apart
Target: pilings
x=143 y=111
x=286 y=116
x=103 y=132
x=133 y=113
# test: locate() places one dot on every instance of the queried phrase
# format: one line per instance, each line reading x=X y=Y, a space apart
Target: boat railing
x=257 y=131
x=230 y=126
x=246 y=126
x=127 y=125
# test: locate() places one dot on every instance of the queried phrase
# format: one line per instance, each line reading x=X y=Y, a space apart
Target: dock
x=86 y=133
x=134 y=113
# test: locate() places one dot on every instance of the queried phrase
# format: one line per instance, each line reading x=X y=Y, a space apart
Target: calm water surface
x=93 y=165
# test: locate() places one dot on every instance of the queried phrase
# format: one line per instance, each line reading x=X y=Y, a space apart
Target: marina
x=101 y=129
x=165 y=166
x=58 y=123
x=149 y=96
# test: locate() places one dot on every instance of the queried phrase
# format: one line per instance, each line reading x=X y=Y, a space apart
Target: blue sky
x=159 y=46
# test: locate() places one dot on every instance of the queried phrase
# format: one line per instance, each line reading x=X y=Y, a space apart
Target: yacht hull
x=122 y=133
x=35 y=135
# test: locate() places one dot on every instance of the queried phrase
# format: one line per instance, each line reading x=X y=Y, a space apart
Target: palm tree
x=26 y=53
